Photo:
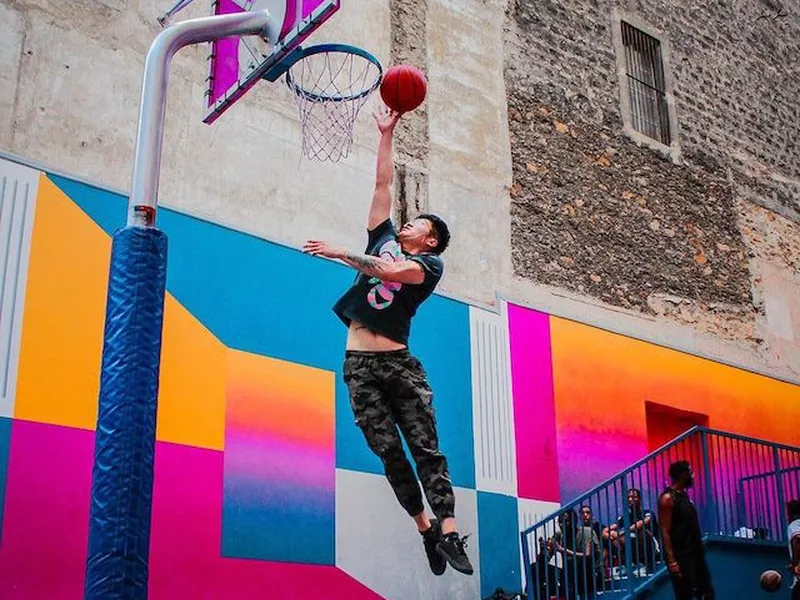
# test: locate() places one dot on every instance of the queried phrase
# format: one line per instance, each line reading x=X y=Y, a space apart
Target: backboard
x=236 y=64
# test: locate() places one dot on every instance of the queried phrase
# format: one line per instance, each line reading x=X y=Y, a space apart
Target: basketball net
x=331 y=85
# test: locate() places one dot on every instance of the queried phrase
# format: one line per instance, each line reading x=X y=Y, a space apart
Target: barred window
x=644 y=69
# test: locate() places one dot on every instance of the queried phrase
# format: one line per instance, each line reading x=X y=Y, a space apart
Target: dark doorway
x=665 y=423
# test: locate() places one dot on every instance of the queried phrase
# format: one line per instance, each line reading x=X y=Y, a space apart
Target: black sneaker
x=451 y=547
x=430 y=539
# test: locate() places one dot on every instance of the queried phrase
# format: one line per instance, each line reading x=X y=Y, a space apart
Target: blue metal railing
x=607 y=542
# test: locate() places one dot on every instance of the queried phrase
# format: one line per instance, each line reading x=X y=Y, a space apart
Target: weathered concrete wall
x=670 y=237
x=75 y=107
x=519 y=146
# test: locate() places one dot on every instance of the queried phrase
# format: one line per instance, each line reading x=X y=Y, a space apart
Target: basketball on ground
x=770 y=581
x=403 y=88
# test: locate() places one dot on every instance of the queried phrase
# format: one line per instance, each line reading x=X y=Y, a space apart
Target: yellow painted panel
x=62 y=335
x=191 y=407
x=62 y=329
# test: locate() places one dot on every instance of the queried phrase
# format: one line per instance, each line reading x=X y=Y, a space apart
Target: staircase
x=741 y=489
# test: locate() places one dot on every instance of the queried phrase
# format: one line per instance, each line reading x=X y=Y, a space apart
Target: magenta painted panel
x=588 y=458
x=534 y=404
x=226 y=56
x=186 y=523
x=226 y=69
x=46 y=519
x=185 y=547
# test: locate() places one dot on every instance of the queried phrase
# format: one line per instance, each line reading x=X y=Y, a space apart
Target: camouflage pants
x=390 y=395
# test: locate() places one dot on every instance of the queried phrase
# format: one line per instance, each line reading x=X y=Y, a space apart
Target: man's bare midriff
x=362 y=339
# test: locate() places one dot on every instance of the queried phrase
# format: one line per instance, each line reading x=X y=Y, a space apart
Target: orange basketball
x=770 y=580
x=403 y=88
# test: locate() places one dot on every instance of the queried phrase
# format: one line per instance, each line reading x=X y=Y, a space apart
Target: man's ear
x=431 y=242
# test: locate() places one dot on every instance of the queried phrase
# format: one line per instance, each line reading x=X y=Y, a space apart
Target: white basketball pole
x=150 y=135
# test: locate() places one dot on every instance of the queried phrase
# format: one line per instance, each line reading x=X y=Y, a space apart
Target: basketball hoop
x=331 y=83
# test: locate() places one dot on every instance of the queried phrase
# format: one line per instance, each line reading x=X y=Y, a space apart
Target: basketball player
x=793 y=534
x=388 y=386
x=680 y=533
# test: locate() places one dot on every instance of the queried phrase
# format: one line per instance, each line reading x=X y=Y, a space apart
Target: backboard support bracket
x=272 y=66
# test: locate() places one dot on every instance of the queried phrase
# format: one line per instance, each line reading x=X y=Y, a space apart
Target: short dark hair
x=440 y=231
x=793 y=508
x=678 y=468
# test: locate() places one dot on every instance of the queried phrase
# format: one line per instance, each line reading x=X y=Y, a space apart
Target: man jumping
x=389 y=389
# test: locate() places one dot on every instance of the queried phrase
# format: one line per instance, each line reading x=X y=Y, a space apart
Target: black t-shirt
x=387 y=307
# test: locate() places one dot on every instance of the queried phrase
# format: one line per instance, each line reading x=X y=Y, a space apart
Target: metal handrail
x=617 y=477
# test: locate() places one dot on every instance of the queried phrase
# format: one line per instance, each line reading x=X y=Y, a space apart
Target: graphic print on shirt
x=381 y=294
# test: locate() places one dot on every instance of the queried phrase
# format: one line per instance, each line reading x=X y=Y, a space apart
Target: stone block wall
x=667 y=232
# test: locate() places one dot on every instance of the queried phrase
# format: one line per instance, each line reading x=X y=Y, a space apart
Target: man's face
x=633 y=498
x=586 y=513
x=688 y=478
x=417 y=235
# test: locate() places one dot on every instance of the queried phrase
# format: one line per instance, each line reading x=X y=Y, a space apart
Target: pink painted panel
x=187 y=536
x=46 y=525
x=534 y=404
x=46 y=518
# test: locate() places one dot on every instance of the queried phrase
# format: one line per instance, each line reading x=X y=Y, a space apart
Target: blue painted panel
x=253 y=295
x=440 y=338
x=5 y=447
x=498 y=525
x=275 y=301
x=265 y=521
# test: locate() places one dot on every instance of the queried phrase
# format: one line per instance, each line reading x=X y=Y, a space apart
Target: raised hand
x=386 y=119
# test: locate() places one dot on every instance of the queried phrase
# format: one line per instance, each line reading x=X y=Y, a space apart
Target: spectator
x=683 y=543
x=583 y=559
x=589 y=521
x=641 y=536
x=547 y=578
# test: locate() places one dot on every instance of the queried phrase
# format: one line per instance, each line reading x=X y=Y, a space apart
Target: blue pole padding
x=122 y=479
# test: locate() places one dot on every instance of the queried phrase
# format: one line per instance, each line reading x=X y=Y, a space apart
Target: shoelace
x=461 y=543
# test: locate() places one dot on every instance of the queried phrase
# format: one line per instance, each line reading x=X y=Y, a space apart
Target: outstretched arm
x=381 y=207
x=406 y=272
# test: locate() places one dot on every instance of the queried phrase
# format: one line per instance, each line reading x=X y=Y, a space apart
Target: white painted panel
x=377 y=542
x=530 y=513
x=18 y=187
x=493 y=408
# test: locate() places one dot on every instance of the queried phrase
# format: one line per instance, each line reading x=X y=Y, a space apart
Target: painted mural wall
x=264 y=486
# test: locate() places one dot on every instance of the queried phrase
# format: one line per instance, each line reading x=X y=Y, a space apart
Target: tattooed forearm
x=369 y=265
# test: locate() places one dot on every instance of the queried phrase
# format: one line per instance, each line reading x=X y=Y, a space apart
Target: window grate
x=644 y=68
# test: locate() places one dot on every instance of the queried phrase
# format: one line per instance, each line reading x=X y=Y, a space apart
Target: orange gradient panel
x=602 y=381
x=62 y=328
x=605 y=370
x=273 y=395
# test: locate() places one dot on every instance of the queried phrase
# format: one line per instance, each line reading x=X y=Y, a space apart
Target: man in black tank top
x=682 y=539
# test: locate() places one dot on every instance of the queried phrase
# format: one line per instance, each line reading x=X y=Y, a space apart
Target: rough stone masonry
x=598 y=214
